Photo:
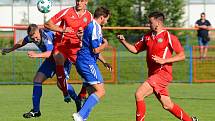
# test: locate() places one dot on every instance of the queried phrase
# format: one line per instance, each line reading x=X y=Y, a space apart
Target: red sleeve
x=58 y=17
x=176 y=45
x=140 y=45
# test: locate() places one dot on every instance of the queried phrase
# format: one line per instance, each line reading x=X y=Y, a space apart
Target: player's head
x=34 y=32
x=203 y=15
x=102 y=14
x=156 y=20
x=81 y=4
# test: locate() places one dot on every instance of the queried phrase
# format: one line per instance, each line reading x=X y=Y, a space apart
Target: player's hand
x=67 y=30
x=108 y=66
x=32 y=54
x=120 y=37
x=105 y=41
x=80 y=33
x=5 y=50
x=158 y=60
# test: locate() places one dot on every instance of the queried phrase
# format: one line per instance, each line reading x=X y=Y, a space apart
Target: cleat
x=67 y=99
x=31 y=114
x=194 y=119
x=77 y=117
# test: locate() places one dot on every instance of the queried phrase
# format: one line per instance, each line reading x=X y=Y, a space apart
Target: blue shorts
x=202 y=42
x=89 y=72
x=48 y=68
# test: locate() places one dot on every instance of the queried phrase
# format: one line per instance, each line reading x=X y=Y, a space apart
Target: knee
x=101 y=93
x=138 y=95
x=37 y=80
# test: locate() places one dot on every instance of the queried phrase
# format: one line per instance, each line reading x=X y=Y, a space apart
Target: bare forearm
x=101 y=58
x=176 y=58
x=50 y=25
x=130 y=47
x=42 y=55
x=100 y=48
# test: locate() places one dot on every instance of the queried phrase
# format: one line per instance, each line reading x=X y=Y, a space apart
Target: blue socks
x=71 y=92
x=37 y=93
x=92 y=100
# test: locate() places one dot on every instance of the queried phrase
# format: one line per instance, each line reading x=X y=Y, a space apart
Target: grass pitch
x=118 y=104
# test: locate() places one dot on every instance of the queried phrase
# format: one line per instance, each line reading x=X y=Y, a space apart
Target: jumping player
x=43 y=38
x=67 y=43
x=159 y=44
x=92 y=46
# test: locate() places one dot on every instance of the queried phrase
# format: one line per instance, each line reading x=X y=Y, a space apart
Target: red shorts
x=159 y=82
x=68 y=49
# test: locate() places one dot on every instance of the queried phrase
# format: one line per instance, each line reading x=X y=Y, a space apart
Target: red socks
x=140 y=110
x=179 y=113
x=61 y=79
x=83 y=93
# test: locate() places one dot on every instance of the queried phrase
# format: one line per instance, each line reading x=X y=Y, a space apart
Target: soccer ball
x=44 y=6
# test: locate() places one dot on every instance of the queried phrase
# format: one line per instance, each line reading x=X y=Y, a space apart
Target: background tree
x=135 y=12
x=173 y=10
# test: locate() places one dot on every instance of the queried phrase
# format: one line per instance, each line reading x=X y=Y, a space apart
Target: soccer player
x=160 y=45
x=43 y=39
x=67 y=42
x=93 y=44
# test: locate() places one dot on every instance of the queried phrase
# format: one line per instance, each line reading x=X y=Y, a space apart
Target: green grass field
x=118 y=105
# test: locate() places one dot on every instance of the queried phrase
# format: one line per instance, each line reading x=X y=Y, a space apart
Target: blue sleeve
x=95 y=38
x=27 y=39
x=49 y=44
x=49 y=47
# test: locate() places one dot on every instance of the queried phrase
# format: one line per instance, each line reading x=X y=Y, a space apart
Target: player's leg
x=92 y=100
x=83 y=93
x=61 y=77
x=173 y=108
x=143 y=91
x=37 y=93
x=70 y=89
x=91 y=75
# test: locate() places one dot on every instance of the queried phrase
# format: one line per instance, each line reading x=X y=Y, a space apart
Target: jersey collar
x=78 y=14
x=153 y=35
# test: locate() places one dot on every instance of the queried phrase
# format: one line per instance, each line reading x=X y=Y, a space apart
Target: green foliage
x=173 y=10
x=6 y=42
x=131 y=13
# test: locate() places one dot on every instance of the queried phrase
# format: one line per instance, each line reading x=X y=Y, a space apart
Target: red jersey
x=162 y=45
x=69 y=18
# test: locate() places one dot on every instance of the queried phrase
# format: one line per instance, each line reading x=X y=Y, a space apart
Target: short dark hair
x=101 y=11
x=157 y=15
x=32 y=28
x=203 y=13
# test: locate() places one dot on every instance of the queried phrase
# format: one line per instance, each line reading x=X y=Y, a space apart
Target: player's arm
x=107 y=65
x=46 y=54
x=50 y=25
x=177 y=48
x=129 y=46
x=178 y=57
x=19 y=44
x=33 y=54
x=100 y=48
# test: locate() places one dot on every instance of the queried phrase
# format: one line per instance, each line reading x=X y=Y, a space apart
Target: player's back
x=92 y=39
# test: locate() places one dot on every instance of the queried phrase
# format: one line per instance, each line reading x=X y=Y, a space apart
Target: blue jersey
x=46 y=43
x=92 y=38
